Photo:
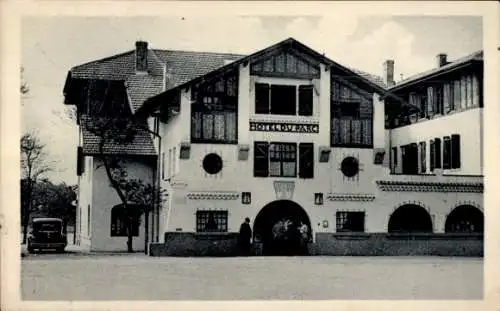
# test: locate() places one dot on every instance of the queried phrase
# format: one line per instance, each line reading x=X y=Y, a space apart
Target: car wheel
x=60 y=250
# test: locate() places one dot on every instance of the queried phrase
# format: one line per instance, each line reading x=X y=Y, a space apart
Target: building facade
x=286 y=133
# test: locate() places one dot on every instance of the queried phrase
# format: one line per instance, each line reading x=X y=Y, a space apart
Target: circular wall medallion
x=212 y=163
x=349 y=166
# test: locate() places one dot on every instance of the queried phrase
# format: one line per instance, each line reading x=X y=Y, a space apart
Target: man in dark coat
x=245 y=237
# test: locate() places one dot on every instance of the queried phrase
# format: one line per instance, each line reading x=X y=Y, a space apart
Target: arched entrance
x=410 y=218
x=276 y=227
x=465 y=218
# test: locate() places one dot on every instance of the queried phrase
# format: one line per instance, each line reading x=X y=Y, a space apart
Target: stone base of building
x=183 y=244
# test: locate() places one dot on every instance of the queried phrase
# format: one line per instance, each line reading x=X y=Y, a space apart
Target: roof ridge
x=104 y=59
x=199 y=52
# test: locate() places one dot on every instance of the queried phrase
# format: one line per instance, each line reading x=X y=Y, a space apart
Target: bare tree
x=34 y=164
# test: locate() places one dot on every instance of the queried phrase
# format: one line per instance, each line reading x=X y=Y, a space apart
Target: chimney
x=141 y=56
x=389 y=72
x=441 y=60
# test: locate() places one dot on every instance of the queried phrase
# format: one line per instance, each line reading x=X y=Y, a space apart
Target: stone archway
x=465 y=218
x=410 y=218
x=275 y=226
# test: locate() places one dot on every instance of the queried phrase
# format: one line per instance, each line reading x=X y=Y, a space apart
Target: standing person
x=245 y=237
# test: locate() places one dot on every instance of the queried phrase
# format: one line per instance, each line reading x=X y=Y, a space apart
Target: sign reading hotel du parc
x=265 y=126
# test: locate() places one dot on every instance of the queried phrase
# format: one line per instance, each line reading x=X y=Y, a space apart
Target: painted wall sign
x=283 y=127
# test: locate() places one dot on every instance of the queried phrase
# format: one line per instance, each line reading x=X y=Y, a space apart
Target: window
x=80 y=161
x=283 y=99
x=423 y=106
x=261 y=98
x=306 y=160
x=449 y=101
x=349 y=129
x=261 y=159
x=423 y=155
x=409 y=159
x=280 y=160
x=446 y=153
x=438 y=99
x=437 y=154
x=211 y=221
x=212 y=163
x=350 y=221
x=455 y=151
x=306 y=100
x=119 y=220
x=283 y=160
x=214 y=111
x=349 y=166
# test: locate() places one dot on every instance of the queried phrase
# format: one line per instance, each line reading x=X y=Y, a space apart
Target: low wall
x=196 y=244
x=331 y=244
x=400 y=244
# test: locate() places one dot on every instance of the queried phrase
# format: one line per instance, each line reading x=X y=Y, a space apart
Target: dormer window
x=281 y=99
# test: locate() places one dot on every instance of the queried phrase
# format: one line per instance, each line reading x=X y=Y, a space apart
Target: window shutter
x=446 y=97
x=432 y=155
x=455 y=151
x=306 y=100
x=446 y=153
x=306 y=160
x=261 y=159
x=80 y=161
x=437 y=152
x=430 y=101
x=261 y=98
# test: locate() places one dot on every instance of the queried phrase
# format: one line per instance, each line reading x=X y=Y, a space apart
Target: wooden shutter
x=446 y=98
x=432 y=155
x=430 y=101
x=80 y=165
x=306 y=100
x=446 y=153
x=423 y=155
x=306 y=160
x=437 y=153
x=261 y=159
x=455 y=151
x=261 y=98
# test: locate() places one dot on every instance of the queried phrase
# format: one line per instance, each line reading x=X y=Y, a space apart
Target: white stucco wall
x=104 y=198
x=466 y=123
x=84 y=203
x=179 y=210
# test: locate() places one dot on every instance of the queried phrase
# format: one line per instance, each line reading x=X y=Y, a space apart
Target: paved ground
x=137 y=277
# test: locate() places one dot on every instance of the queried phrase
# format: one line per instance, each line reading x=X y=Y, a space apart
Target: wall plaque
x=263 y=126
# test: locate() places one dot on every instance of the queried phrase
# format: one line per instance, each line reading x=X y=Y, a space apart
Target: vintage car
x=47 y=233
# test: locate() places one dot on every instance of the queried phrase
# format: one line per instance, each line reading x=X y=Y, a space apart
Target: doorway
x=277 y=227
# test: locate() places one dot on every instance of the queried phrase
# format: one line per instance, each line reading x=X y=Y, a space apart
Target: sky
x=51 y=46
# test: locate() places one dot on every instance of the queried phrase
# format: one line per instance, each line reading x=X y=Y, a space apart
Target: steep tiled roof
x=142 y=143
x=141 y=87
x=378 y=80
x=183 y=66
